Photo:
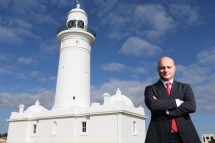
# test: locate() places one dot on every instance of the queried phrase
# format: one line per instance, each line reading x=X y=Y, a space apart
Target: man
x=170 y=103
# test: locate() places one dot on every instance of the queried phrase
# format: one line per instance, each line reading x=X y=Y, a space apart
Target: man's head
x=166 y=68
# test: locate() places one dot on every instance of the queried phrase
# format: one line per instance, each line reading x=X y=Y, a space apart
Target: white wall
x=109 y=127
x=18 y=131
x=128 y=135
x=103 y=128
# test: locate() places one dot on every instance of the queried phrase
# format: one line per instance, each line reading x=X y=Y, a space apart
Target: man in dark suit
x=170 y=103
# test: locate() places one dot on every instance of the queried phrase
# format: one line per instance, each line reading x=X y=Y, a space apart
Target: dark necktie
x=174 y=125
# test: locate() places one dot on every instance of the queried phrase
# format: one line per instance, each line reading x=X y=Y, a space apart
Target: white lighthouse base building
x=115 y=121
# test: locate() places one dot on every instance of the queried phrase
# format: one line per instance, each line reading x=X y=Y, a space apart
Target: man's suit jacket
x=160 y=125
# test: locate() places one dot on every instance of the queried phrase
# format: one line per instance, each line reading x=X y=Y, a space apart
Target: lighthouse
x=73 y=119
x=73 y=80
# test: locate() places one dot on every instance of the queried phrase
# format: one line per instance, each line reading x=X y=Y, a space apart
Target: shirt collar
x=164 y=82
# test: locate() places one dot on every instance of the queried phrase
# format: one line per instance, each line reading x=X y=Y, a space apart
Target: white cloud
x=4 y=71
x=11 y=100
x=185 y=13
x=157 y=20
x=26 y=33
x=46 y=79
x=207 y=56
x=205 y=96
x=153 y=21
x=138 y=47
x=15 y=28
x=139 y=70
x=117 y=67
x=32 y=7
x=104 y=9
x=49 y=47
x=117 y=35
x=9 y=35
x=200 y=71
x=126 y=19
x=35 y=73
x=25 y=60
x=21 y=23
x=131 y=71
x=192 y=74
x=15 y=35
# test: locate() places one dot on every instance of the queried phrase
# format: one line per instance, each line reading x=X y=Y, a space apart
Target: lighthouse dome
x=35 y=108
x=77 y=18
x=120 y=98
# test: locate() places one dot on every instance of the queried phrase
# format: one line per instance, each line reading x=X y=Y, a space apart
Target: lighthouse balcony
x=85 y=28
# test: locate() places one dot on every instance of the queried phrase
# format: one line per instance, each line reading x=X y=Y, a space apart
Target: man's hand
x=179 y=102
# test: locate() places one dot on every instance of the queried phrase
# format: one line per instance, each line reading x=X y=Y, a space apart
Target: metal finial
x=77 y=2
x=37 y=102
x=118 y=92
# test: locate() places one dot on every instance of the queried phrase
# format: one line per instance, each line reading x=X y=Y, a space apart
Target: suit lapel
x=162 y=88
x=174 y=88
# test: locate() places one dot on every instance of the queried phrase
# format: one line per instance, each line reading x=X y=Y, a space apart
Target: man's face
x=166 y=68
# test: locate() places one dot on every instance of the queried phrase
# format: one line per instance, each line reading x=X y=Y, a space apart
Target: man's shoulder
x=158 y=83
x=181 y=84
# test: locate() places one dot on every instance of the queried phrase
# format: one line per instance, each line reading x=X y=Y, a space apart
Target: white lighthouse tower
x=73 y=81
x=72 y=118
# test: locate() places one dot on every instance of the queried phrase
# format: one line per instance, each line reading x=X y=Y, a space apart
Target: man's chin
x=166 y=79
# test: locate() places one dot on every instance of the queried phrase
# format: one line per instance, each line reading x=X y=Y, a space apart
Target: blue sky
x=131 y=37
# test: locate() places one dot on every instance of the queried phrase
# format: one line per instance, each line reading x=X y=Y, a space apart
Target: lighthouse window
x=34 y=128
x=54 y=128
x=80 y=24
x=71 y=23
x=84 y=127
x=134 y=128
x=75 y=23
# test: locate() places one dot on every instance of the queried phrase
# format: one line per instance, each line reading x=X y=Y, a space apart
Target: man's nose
x=165 y=69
